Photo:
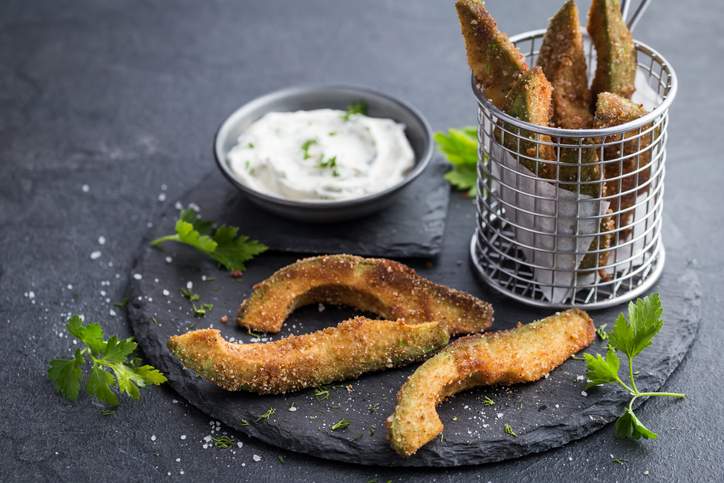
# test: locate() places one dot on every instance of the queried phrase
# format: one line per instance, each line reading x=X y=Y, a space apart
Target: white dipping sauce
x=321 y=155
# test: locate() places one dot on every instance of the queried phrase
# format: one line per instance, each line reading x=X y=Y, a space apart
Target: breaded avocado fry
x=624 y=175
x=615 y=50
x=384 y=287
x=352 y=348
x=520 y=355
x=530 y=100
x=496 y=63
x=564 y=65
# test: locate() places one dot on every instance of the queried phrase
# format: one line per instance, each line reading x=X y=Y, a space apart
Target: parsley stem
x=631 y=374
x=166 y=238
x=666 y=394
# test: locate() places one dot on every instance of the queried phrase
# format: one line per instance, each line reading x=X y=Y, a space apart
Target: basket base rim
x=642 y=287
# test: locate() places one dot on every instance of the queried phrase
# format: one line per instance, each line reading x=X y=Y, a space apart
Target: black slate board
x=546 y=414
x=412 y=226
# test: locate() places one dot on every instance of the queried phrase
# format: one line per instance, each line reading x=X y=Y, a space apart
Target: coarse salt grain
x=101 y=240
x=95 y=255
x=189 y=285
x=169 y=259
x=162 y=197
x=584 y=393
x=256 y=458
x=85 y=188
x=153 y=437
x=137 y=276
x=166 y=292
x=183 y=436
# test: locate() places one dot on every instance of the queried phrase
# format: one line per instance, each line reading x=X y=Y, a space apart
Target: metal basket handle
x=638 y=13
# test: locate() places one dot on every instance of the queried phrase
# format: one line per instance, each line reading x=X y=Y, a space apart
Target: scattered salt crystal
x=174 y=401
x=70 y=287
x=646 y=472
x=189 y=285
x=584 y=393
x=183 y=436
x=292 y=408
x=169 y=259
x=194 y=207
x=178 y=206
x=239 y=444
x=112 y=312
x=137 y=276
x=256 y=458
x=181 y=472
x=103 y=293
x=570 y=458
x=153 y=437
x=499 y=415
x=178 y=460
x=207 y=438
x=31 y=294
x=580 y=378
x=95 y=255
x=166 y=292
x=321 y=307
x=162 y=197
x=85 y=188
x=101 y=240
x=164 y=187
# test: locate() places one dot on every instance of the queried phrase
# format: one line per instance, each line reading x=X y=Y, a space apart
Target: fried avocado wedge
x=530 y=100
x=627 y=173
x=615 y=50
x=524 y=354
x=383 y=287
x=564 y=65
x=352 y=348
x=496 y=63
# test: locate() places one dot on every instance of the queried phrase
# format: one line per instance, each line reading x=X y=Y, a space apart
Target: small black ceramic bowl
x=318 y=97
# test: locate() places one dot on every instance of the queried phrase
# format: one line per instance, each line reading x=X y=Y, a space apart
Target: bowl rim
x=416 y=171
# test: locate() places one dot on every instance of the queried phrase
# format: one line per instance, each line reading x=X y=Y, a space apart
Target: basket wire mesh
x=548 y=233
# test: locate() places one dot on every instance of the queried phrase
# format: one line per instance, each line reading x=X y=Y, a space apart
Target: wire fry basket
x=573 y=217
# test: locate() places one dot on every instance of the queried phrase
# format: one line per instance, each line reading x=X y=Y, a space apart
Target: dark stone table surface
x=107 y=110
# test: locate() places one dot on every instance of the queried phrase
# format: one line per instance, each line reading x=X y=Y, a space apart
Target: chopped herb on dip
x=322 y=154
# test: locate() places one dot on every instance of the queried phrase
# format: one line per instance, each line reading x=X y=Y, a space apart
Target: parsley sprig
x=112 y=366
x=630 y=338
x=460 y=148
x=222 y=244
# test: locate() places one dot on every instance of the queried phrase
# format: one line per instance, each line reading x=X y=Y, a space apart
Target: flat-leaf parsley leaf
x=460 y=148
x=222 y=244
x=629 y=337
x=113 y=366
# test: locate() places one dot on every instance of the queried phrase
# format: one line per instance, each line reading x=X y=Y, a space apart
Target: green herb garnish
x=281 y=459
x=329 y=163
x=305 y=147
x=341 y=424
x=488 y=402
x=321 y=393
x=631 y=338
x=243 y=422
x=222 y=244
x=267 y=414
x=508 y=429
x=121 y=304
x=460 y=148
x=353 y=109
x=601 y=332
x=223 y=442
x=113 y=366
x=189 y=295
x=202 y=310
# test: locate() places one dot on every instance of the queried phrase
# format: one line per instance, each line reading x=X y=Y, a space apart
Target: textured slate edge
x=578 y=425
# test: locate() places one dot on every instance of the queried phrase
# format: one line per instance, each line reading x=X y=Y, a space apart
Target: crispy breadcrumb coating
x=524 y=354
x=386 y=288
x=564 y=65
x=496 y=63
x=624 y=175
x=615 y=50
x=352 y=348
